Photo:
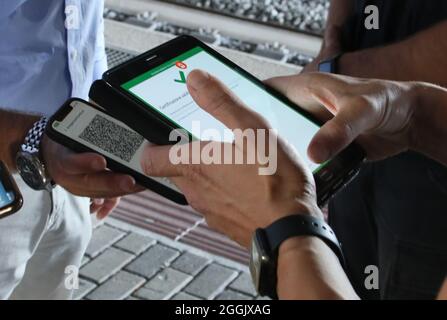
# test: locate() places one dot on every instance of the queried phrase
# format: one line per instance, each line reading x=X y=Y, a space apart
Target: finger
x=105 y=184
x=107 y=208
x=301 y=90
x=350 y=122
x=180 y=160
x=216 y=99
x=282 y=84
x=157 y=161
x=303 y=84
x=82 y=163
x=95 y=205
x=177 y=160
x=98 y=201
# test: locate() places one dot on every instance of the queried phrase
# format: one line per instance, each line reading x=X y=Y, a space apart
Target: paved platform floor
x=125 y=262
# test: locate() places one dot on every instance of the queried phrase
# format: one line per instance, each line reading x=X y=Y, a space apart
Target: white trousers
x=37 y=244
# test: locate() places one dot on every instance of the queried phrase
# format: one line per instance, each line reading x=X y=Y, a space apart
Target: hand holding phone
x=85 y=174
x=237 y=199
x=10 y=197
x=152 y=88
x=85 y=128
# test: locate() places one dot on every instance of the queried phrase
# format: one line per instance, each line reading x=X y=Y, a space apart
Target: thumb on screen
x=351 y=120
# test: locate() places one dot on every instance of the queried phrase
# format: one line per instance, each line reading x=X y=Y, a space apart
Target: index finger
x=307 y=90
x=155 y=161
x=218 y=100
x=82 y=163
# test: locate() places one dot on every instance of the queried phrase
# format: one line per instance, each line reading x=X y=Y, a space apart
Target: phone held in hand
x=11 y=199
x=84 y=127
x=149 y=94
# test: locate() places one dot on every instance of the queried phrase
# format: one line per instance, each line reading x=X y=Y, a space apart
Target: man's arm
x=309 y=269
x=429 y=132
x=419 y=58
x=13 y=129
x=339 y=12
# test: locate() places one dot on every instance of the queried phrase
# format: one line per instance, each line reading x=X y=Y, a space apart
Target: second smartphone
x=151 y=88
x=10 y=197
x=83 y=127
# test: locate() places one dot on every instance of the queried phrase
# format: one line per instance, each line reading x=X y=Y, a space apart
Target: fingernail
x=318 y=152
x=127 y=184
x=99 y=201
x=197 y=79
x=97 y=165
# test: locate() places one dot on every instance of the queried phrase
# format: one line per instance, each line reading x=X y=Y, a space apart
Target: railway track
x=305 y=16
x=267 y=40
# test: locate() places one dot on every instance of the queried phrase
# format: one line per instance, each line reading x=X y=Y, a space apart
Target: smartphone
x=10 y=197
x=155 y=85
x=84 y=127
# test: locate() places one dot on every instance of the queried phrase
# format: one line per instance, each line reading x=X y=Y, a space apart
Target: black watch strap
x=302 y=225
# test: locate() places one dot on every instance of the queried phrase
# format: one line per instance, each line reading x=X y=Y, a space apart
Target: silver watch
x=29 y=163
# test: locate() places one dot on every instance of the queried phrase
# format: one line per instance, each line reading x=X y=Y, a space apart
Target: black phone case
x=121 y=107
x=112 y=164
x=339 y=172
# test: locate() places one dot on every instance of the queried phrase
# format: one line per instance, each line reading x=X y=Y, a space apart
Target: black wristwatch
x=330 y=65
x=266 y=243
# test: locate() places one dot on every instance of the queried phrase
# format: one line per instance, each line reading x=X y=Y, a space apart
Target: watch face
x=326 y=67
x=260 y=261
x=255 y=261
x=31 y=171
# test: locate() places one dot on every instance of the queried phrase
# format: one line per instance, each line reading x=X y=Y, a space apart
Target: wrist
x=331 y=46
x=300 y=245
x=296 y=237
x=345 y=64
x=332 y=40
x=300 y=207
x=309 y=269
x=29 y=160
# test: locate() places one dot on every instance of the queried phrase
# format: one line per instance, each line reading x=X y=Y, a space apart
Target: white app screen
x=164 y=89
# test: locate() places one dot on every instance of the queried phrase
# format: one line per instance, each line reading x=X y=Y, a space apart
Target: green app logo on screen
x=182 y=66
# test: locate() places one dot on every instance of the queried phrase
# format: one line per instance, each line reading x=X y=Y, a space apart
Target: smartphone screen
x=7 y=194
x=7 y=197
x=164 y=90
x=105 y=135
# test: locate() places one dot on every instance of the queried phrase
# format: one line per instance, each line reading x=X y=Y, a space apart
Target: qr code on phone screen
x=113 y=138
